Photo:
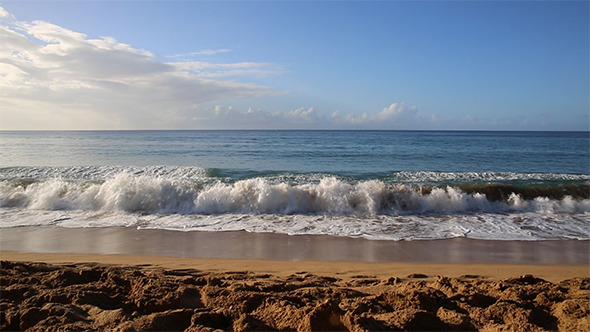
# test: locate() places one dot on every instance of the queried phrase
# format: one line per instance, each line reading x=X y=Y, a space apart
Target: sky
x=392 y=65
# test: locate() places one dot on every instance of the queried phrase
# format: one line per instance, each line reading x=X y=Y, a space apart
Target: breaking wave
x=171 y=194
x=425 y=205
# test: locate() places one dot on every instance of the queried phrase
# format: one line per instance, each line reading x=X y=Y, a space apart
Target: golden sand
x=120 y=292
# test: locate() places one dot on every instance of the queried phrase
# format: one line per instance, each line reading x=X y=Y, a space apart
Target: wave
x=195 y=191
x=194 y=173
x=481 y=177
x=99 y=173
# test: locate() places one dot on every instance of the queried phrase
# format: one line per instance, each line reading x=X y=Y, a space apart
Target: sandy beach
x=294 y=166
x=132 y=282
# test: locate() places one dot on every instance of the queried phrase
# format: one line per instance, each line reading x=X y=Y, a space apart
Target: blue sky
x=295 y=65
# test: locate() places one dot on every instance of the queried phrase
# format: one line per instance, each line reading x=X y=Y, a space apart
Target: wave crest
x=153 y=194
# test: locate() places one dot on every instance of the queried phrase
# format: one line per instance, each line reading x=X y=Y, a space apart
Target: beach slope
x=118 y=292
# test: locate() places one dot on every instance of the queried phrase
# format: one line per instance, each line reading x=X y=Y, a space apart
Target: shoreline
x=282 y=247
x=282 y=254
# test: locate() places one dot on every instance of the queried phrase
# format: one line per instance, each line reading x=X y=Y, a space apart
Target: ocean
x=380 y=185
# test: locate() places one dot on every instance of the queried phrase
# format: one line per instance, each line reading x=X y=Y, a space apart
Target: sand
x=93 y=290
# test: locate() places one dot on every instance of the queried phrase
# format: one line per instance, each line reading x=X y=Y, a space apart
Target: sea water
x=388 y=185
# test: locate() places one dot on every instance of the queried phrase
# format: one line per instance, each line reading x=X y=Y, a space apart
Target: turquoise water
x=375 y=184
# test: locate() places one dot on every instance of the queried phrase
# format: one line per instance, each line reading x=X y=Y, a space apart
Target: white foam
x=101 y=173
x=518 y=226
x=466 y=177
x=371 y=209
x=128 y=192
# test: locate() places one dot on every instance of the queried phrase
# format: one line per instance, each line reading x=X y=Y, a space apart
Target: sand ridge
x=38 y=296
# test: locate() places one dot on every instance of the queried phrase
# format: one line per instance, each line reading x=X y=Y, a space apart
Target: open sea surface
x=385 y=185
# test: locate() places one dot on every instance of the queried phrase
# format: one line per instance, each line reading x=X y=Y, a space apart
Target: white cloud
x=203 y=52
x=230 y=117
x=396 y=114
x=55 y=78
x=302 y=113
x=3 y=13
x=216 y=70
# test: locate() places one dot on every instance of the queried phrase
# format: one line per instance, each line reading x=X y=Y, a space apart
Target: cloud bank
x=56 y=78
x=395 y=116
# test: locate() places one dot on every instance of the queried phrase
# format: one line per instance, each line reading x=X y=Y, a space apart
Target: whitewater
x=186 y=198
x=316 y=193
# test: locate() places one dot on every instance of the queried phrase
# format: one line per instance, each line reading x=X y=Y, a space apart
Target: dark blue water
x=354 y=153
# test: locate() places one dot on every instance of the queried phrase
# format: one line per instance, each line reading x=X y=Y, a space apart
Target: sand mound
x=42 y=297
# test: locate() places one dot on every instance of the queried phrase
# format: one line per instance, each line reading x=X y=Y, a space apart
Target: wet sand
x=128 y=279
x=244 y=245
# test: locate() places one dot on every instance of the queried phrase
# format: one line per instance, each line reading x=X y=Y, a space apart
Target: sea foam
x=292 y=204
x=153 y=194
